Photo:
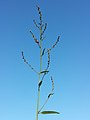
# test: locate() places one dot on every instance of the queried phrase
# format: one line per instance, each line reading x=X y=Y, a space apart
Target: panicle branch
x=51 y=93
x=35 y=39
x=28 y=63
x=40 y=14
x=36 y=24
x=53 y=46
x=45 y=26
x=48 y=64
x=43 y=38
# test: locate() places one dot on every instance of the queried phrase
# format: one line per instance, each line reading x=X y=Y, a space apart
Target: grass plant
x=42 y=73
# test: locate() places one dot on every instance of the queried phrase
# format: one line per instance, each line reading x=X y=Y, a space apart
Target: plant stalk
x=38 y=99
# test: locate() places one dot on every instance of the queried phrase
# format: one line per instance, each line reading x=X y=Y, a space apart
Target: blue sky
x=70 y=60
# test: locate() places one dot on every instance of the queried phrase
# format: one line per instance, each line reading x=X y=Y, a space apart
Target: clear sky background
x=70 y=60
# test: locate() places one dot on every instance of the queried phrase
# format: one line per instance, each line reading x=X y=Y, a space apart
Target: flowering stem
x=38 y=99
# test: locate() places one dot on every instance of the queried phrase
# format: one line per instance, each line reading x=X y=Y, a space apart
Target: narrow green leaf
x=50 y=95
x=45 y=71
x=40 y=83
x=43 y=51
x=49 y=112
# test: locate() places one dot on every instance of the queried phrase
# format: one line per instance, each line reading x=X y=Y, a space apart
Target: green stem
x=38 y=99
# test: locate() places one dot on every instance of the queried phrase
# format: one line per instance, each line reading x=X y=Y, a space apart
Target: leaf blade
x=45 y=71
x=49 y=112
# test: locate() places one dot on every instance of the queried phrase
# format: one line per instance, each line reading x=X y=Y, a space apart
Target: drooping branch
x=56 y=42
x=28 y=63
x=53 y=46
